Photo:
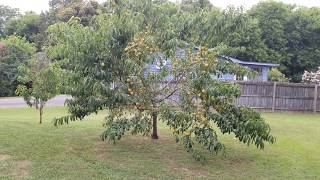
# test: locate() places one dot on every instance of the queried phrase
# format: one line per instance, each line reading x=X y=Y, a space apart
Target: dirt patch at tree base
x=4 y=157
x=19 y=169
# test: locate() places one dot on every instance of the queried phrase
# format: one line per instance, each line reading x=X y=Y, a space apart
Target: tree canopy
x=270 y=31
x=15 y=51
x=6 y=13
x=28 y=26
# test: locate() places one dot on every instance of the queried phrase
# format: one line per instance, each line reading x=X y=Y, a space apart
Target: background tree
x=231 y=27
x=28 y=26
x=63 y=10
x=15 y=51
x=272 y=17
x=239 y=32
x=39 y=82
x=6 y=13
x=84 y=10
x=135 y=97
x=303 y=36
x=194 y=5
x=291 y=34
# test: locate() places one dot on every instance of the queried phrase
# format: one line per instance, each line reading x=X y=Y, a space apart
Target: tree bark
x=41 y=112
x=154 y=126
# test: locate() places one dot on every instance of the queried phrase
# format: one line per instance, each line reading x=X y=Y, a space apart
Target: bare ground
x=19 y=170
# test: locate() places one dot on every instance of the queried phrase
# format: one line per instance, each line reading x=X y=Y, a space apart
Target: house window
x=257 y=69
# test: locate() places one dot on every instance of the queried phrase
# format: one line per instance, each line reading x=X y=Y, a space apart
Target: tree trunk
x=41 y=112
x=154 y=126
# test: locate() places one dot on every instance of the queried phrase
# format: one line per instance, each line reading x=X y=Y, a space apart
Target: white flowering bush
x=311 y=77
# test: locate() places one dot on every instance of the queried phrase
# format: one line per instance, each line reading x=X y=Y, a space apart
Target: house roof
x=234 y=60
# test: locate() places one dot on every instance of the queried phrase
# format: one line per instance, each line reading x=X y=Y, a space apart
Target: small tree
x=277 y=76
x=39 y=82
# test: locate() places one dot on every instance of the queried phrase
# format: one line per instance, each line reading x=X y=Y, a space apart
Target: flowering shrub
x=311 y=77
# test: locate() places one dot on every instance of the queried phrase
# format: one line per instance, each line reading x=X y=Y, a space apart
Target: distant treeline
x=269 y=32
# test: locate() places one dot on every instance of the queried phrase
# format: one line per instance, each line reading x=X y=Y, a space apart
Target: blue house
x=261 y=68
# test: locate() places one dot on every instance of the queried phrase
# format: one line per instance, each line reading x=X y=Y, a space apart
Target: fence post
x=315 y=98
x=274 y=96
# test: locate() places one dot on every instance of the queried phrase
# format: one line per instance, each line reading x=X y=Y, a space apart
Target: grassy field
x=32 y=151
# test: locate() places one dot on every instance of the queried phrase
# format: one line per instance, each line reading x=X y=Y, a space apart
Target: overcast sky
x=42 y=5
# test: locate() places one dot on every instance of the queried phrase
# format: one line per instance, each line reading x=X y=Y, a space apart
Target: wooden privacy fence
x=273 y=96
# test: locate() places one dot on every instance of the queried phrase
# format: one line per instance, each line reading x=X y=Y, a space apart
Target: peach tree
x=108 y=66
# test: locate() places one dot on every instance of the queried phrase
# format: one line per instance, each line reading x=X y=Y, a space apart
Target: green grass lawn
x=32 y=151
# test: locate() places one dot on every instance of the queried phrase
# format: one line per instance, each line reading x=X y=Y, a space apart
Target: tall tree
x=28 y=26
x=15 y=51
x=272 y=19
x=195 y=5
x=6 y=13
x=231 y=27
x=303 y=36
x=291 y=35
x=236 y=30
x=55 y=4
x=63 y=10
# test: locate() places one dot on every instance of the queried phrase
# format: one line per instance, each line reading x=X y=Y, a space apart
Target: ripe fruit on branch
x=187 y=133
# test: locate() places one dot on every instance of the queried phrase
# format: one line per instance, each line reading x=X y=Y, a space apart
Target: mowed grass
x=32 y=151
